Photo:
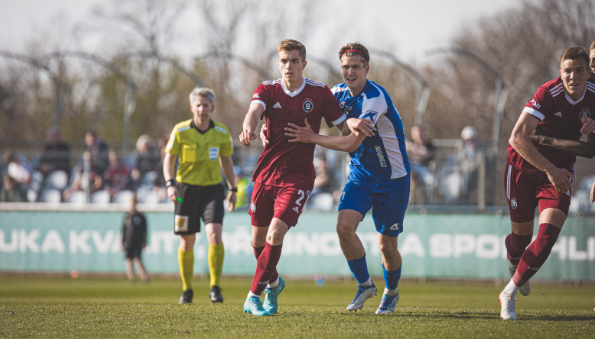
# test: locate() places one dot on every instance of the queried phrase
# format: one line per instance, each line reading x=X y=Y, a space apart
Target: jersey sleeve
x=260 y=95
x=227 y=146
x=173 y=144
x=373 y=108
x=541 y=104
x=332 y=112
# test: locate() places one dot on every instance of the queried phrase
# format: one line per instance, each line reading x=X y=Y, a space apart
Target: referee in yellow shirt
x=201 y=145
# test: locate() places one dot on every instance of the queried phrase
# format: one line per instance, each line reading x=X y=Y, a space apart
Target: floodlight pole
x=423 y=89
x=501 y=90
x=58 y=103
x=131 y=88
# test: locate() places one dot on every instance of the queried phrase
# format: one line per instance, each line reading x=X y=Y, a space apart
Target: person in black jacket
x=134 y=240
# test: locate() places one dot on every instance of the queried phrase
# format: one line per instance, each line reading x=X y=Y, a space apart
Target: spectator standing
x=86 y=177
x=134 y=240
x=420 y=152
x=55 y=156
x=468 y=161
x=146 y=160
x=98 y=150
x=117 y=175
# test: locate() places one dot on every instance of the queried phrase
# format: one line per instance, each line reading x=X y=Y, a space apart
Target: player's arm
x=357 y=126
x=230 y=176
x=578 y=148
x=348 y=143
x=250 y=122
x=168 y=173
x=519 y=140
x=593 y=193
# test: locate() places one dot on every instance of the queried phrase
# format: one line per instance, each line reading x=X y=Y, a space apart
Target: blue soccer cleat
x=363 y=293
x=253 y=305
x=270 y=296
x=388 y=303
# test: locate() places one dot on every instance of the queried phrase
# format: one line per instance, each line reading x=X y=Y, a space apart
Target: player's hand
x=172 y=193
x=561 y=179
x=231 y=199
x=588 y=126
x=263 y=135
x=300 y=134
x=358 y=126
x=247 y=136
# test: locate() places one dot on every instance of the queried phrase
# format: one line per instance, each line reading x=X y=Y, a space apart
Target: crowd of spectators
x=101 y=174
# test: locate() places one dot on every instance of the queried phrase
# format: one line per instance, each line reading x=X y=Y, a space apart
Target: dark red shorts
x=285 y=203
x=525 y=192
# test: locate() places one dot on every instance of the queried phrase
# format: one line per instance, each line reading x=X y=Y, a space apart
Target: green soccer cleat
x=270 y=296
x=253 y=305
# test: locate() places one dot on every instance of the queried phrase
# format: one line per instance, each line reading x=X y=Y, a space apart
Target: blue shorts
x=389 y=199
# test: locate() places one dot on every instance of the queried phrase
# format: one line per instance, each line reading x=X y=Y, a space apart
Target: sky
x=405 y=27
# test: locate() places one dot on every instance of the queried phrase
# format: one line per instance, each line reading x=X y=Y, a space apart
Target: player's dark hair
x=353 y=49
x=575 y=53
x=290 y=45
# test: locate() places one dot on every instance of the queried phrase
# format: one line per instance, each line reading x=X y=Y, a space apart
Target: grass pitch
x=111 y=307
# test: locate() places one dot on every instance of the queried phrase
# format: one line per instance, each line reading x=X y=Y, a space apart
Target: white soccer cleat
x=508 y=310
x=526 y=288
x=363 y=293
x=388 y=303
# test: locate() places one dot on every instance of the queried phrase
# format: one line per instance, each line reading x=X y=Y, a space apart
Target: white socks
x=511 y=289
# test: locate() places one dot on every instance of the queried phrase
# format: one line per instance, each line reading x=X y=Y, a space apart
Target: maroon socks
x=266 y=267
x=536 y=254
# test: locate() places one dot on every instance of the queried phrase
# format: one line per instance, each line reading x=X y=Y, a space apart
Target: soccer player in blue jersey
x=379 y=174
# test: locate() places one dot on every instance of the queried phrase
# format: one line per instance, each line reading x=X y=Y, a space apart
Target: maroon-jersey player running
x=284 y=176
x=538 y=176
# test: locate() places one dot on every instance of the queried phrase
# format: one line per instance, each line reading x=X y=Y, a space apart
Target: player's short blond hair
x=355 y=49
x=291 y=45
x=203 y=92
x=592 y=46
x=575 y=53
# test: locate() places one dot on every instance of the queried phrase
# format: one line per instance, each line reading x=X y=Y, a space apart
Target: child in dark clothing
x=134 y=240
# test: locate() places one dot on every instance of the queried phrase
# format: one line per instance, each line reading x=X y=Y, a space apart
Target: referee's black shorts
x=198 y=202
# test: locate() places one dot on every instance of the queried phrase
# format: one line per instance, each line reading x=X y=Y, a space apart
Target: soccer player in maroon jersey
x=284 y=176
x=537 y=176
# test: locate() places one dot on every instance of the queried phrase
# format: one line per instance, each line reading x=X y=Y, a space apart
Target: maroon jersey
x=284 y=163
x=560 y=117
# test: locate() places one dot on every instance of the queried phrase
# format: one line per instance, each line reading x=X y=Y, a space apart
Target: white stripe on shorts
x=508 y=182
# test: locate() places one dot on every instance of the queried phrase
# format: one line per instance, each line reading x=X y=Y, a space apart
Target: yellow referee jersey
x=198 y=153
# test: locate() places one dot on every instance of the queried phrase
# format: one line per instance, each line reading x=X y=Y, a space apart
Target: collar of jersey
x=211 y=125
x=298 y=91
x=572 y=101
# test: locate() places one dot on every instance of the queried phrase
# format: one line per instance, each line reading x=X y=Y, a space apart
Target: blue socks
x=391 y=278
x=359 y=268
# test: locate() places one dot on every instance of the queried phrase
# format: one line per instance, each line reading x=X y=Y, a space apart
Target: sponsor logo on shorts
x=252 y=207
x=213 y=153
x=296 y=210
x=308 y=106
x=395 y=227
x=181 y=223
x=585 y=113
x=513 y=203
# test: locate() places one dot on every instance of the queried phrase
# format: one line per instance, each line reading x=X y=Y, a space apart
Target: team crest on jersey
x=308 y=106
x=513 y=203
x=585 y=113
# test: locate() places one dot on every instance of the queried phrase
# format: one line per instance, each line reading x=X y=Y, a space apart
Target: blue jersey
x=382 y=156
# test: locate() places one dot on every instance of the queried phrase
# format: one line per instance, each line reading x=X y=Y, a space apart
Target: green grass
x=110 y=307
